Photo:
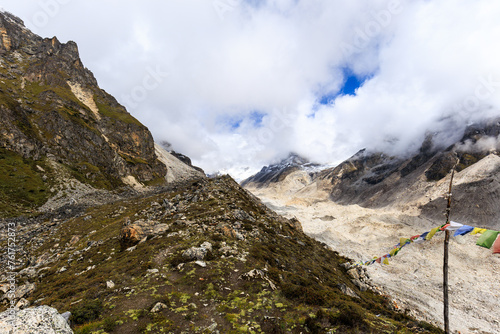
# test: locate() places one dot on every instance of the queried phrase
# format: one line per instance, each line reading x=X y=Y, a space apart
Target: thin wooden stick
x=445 y=261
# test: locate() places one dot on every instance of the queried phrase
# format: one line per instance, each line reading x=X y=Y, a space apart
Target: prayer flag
x=394 y=252
x=419 y=240
x=403 y=241
x=454 y=226
x=463 y=230
x=487 y=239
x=431 y=233
x=444 y=227
x=478 y=230
x=496 y=246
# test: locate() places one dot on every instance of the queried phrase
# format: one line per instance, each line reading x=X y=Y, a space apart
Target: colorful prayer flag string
x=488 y=239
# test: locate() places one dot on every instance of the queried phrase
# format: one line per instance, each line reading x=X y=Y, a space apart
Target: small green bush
x=86 y=312
x=109 y=324
x=350 y=315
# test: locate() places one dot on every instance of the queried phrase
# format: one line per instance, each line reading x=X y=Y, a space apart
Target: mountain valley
x=104 y=231
x=363 y=206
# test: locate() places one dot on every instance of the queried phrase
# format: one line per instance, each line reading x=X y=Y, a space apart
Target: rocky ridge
x=201 y=257
x=275 y=173
x=56 y=124
x=376 y=180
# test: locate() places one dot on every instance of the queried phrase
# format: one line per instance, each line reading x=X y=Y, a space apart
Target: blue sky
x=351 y=82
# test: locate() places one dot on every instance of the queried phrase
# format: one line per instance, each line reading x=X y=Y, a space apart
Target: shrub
x=109 y=324
x=86 y=313
x=306 y=295
x=350 y=315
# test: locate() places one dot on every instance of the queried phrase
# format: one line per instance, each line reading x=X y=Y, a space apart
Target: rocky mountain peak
x=277 y=172
x=57 y=122
x=294 y=159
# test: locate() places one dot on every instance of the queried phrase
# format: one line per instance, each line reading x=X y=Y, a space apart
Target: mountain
x=57 y=127
x=362 y=207
x=278 y=172
x=376 y=180
x=176 y=253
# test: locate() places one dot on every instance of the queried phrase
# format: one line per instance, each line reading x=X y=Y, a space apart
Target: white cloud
x=432 y=65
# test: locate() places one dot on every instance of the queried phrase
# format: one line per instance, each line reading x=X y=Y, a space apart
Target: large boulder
x=131 y=235
x=39 y=320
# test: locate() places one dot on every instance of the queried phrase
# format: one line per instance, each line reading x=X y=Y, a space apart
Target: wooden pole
x=445 y=263
x=445 y=284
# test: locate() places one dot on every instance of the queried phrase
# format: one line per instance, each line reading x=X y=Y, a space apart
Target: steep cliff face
x=52 y=111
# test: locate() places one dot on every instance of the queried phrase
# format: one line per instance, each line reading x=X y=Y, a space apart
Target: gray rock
x=347 y=291
x=353 y=273
x=66 y=316
x=131 y=249
x=346 y=265
x=160 y=229
x=25 y=290
x=242 y=215
x=167 y=204
x=22 y=303
x=29 y=272
x=206 y=245
x=253 y=274
x=158 y=307
x=110 y=284
x=40 y=320
x=197 y=253
x=362 y=286
x=201 y=264
x=212 y=328
x=4 y=287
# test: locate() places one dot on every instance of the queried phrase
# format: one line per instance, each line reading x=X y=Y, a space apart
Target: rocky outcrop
x=52 y=109
x=40 y=320
x=187 y=160
x=375 y=179
x=60 y=126
x=178 y=170
x=139 y=230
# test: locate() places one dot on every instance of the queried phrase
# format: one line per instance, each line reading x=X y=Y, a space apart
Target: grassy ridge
x=299 y=292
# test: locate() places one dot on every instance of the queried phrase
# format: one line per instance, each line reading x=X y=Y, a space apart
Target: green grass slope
x=297 y=288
